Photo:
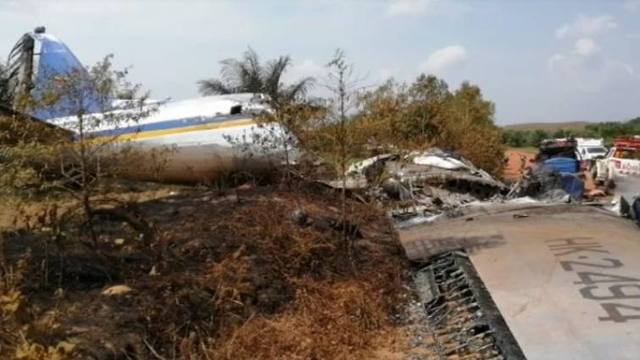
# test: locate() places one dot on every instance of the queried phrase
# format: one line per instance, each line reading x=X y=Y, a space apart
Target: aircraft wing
x=564 y=279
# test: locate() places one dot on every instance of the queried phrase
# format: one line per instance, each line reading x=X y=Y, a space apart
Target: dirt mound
x=517 y=162
x=253 y=273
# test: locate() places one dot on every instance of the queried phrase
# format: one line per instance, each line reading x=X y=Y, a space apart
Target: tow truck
x=622 y=161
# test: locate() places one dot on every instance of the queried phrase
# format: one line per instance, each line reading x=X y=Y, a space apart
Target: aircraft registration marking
x=619 y=288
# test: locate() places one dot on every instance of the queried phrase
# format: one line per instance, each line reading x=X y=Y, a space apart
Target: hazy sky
x=537 y=60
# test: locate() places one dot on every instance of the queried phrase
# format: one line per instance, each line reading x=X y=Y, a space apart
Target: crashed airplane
x=196 y=131
x=526 y=273
x=501 y=273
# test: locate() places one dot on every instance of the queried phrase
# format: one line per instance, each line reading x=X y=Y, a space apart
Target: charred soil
x=254 y=272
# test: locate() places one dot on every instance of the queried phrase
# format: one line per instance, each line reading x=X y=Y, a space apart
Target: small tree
x=334 y=134
x=88 y=98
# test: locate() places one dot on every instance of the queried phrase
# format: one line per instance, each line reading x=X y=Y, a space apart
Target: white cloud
x=587 y=26
x=386 y=73
x=586 y=67
x=555 y=59
x=305 y=68
x=591 y=74
x=409 y=7
x=445 y=59
x=632 y=6
x=586 y=47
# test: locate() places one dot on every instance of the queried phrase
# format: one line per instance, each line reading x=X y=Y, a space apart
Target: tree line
x=605 y=130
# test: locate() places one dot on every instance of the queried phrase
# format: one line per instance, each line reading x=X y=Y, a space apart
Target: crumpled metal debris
x=421 y=185
x=548 y=185
x=628 y=207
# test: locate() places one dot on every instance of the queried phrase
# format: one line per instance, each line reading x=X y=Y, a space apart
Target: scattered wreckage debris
x=548 y=184
x=628 y=207
x=421 y=185
x=493 y=223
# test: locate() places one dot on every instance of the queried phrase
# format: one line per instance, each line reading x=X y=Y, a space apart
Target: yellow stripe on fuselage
x=186 y=129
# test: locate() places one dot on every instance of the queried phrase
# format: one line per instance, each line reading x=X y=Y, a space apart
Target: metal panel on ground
x=566 y=279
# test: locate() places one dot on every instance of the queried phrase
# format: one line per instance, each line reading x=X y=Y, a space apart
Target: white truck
x=590 y=149
x=622 y=161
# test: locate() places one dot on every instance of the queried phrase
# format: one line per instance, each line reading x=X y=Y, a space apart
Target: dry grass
x=235 y=277
x=344 y=320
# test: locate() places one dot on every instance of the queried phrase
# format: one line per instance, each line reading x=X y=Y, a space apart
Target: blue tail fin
x=39 y=58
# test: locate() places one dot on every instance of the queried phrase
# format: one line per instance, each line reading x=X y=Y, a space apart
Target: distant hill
x=548 y=126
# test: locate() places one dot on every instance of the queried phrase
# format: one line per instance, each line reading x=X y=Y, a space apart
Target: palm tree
x=248 y=75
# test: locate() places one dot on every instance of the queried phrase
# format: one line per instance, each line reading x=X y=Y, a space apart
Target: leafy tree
x=429 y=96
x=605 y=130
x=561 y=133
x=536 y=137
x=249 y=75
x=426 y=114
x=516 y=138
x=470 y=129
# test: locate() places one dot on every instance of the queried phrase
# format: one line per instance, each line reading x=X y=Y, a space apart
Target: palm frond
x=299 y=89
x=251 y=71
x=273 y=74
x=214 y=87
x=230 y=73
x=248 y=75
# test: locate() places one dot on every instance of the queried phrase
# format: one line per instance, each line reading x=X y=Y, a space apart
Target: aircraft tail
x=38 y=58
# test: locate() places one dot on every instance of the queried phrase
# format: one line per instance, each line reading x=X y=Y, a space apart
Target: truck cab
x=621 y=161
x=590 y=150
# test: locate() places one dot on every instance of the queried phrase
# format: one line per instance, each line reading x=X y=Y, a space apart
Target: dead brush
x=343 y=320
x=266 y=229
x=12 y=303
x=231 y=279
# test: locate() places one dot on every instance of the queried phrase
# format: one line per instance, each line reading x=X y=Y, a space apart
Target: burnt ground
x=251 y=272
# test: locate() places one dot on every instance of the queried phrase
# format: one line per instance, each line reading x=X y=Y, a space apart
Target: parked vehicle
x=560 y=155
x=589 y=150
x=621 y=161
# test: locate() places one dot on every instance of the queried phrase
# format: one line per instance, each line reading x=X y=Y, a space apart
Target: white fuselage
x=191 y=140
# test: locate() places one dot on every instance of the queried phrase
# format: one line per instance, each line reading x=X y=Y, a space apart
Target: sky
x=537 y=60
